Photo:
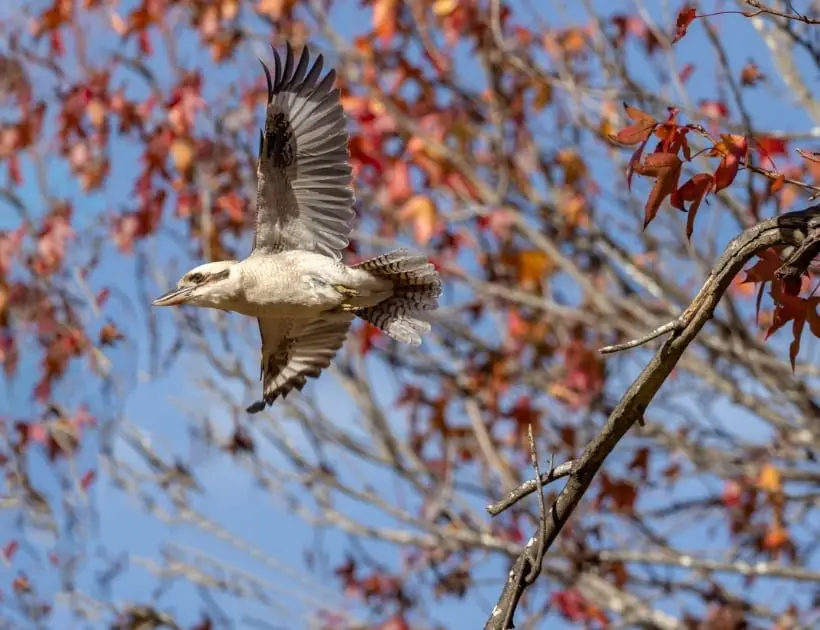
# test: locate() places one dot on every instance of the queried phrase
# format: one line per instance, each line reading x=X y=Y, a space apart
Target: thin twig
x=535 y=567
x=634 y=343
x=530 y=486
x=789 y=16
x=527 y=574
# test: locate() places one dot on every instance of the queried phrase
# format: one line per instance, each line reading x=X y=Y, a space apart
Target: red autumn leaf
x=639 y=131
x=713 y=108
x=685 y=17
x=234 y=205
x=573 y=606
x=37 y=433
x=15 y=174
x=570 y=603
x=10 y=549
x=776 y=539
x=385 y=14
x=368 y=334
x=694 y=191
x=640 y=462
x=110 y=335
x=731 y=149
x=789 y=308
x=87 y=479
x=686 y=72
x=422 y=212
x=750 y=75
x=777 y=184
x=665 y=168
x=634 y=161
x=102 y=297
x=144 y=40
x=732 y=494
x=769 y=146
x=21 y=584
x=399 y=188
x=763 y=270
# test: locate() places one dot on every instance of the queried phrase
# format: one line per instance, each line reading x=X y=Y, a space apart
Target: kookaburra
x=294 y=281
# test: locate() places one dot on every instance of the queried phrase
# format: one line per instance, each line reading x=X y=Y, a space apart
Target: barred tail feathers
x=416 y=288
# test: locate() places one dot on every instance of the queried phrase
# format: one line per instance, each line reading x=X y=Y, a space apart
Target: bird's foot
x=346 y=290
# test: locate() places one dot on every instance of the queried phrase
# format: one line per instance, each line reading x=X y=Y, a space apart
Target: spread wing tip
x=256 y=407
x=297 y=383
x=286 y=77
x=268 y=80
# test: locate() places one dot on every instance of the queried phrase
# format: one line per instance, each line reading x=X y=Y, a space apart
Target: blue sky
x=241 y=508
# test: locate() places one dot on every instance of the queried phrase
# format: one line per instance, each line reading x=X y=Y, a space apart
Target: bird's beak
x=173 y=297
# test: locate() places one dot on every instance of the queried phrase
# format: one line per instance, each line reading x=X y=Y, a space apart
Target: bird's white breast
x=288 y=284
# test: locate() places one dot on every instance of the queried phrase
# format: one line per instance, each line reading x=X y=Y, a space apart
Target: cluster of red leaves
x=389 y=171
x=747 y=499
x=16 y=137
x=58 y=434
x=52 y=239
x=584 y=375
x=665 y=163
x=30 y=299
x=574 y=607
x=83 y=130
x=616 y=495
x=789 y=305
x=433 y=428
x=56 y=330
x=456 y=18
x=377 y=585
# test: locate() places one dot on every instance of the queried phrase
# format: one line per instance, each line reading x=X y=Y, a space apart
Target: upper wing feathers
x=304 y=195
x=293 y=351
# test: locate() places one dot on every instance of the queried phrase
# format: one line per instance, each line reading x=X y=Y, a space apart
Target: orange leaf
x=750 y=75
x=776 y=538
x=533 y=265
x=639 y=131
x=763 y=271
x=732 y=149
x=443 y=8
x=685 y=17
x=422 y=211
x=797 y=310
x=87 y=479
x=769 y=479
x=10 y=549
x=665 y=167
x=695 y=190
x=384 y=19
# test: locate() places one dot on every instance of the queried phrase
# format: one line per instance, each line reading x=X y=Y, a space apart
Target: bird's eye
x=196 y=278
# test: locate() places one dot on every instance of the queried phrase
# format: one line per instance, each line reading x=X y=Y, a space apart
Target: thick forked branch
x=800 y=229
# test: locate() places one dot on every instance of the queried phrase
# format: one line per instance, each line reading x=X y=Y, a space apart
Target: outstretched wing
x=293 y=350
x=304 y=198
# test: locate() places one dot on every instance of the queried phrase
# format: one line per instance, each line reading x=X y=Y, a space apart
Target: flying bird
x=294 y=281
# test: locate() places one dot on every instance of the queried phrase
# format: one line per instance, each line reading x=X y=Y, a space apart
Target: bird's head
x=212 y=284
